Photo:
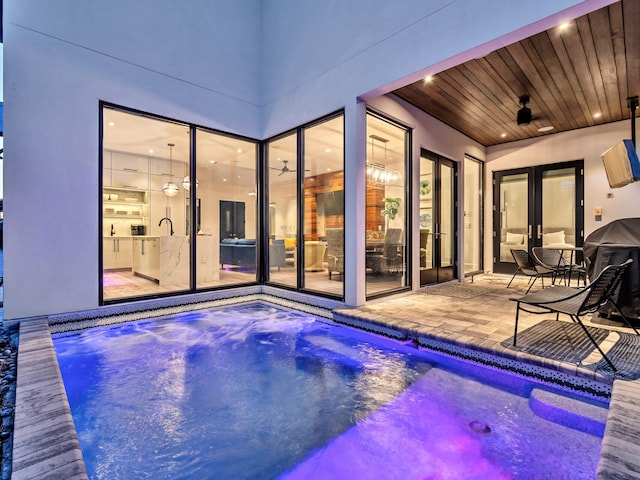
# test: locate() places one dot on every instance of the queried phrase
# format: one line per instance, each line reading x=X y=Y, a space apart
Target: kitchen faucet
x=170 y=224
x=113 y=230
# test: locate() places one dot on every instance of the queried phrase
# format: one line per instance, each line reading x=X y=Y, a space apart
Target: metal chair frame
x=576 y=302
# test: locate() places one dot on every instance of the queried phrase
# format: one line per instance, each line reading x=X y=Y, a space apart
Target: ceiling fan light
x=524 y=116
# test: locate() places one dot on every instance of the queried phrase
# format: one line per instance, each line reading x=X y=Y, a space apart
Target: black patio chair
x=528 y=267
x=577 y=302
x=551 y=259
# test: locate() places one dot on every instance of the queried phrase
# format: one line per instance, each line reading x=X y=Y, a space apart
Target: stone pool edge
x=45 y=442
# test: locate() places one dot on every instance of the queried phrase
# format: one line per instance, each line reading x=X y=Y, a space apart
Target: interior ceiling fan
x=285 y=168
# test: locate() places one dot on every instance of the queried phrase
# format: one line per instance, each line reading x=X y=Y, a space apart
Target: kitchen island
x=165 y=259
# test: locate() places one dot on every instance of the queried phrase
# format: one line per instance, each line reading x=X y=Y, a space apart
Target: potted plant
x=391 y=207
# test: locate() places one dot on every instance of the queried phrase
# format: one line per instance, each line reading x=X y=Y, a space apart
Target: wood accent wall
x=332 y=182
x=375 y=194
x=324 y=183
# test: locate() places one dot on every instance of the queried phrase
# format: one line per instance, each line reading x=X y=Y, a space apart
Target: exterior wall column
x=355 y=200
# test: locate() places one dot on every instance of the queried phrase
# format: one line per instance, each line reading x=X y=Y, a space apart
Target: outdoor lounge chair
x=528 y=267
x=551 y=259
x=577 y=302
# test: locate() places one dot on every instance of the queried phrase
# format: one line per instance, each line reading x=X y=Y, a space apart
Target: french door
x=437 y=218
x=537 y=206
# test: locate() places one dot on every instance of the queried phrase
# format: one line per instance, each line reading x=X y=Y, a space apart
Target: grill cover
x=612 y=244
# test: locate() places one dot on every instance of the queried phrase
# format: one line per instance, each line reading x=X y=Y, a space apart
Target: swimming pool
x=256 y=391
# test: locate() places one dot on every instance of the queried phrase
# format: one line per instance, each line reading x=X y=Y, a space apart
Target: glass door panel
x=226 y=210
x=437 y=219
x=283 y=206
x=324 y=207
x=512 y=216
x=145 y=242
x=473 y=178
x=558 y=222
x=446 y=227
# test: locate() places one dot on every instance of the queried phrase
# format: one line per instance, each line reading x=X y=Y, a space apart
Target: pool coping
x=46 y=445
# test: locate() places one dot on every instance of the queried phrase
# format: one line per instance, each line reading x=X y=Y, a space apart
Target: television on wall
x=334 y=203
x=621 y=164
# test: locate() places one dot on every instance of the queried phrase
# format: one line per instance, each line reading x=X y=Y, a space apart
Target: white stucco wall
x=585 y=144
x=195 y=61
x=251 y=67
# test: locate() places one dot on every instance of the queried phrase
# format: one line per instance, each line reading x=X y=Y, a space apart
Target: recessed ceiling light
x=327 y=150
x=239 y=150
x=428 y=78
x=111 y=124
x=503 y=135
x=212 y=162
x=548 y=128
x=151 y=150
x=597 y=115
x=563 y=26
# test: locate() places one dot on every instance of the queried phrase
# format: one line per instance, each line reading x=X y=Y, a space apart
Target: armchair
x=335 y=250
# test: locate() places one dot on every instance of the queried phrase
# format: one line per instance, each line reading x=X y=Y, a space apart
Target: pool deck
x=476 y=326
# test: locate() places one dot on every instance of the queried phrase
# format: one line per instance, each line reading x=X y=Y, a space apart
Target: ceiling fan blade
x=282 y=173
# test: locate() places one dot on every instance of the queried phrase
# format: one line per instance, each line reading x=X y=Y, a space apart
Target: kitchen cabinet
x=117 y=253
x=123 y=170
x=125 y=203
x=146 y=257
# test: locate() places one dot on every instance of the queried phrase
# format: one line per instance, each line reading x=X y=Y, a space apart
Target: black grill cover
x=613 y=244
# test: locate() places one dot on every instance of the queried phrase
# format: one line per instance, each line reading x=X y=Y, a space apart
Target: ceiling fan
x=285 y=168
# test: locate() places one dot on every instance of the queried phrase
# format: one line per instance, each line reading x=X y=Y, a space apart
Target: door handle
x=539 y=231
x=529 y=232
x=143 y=246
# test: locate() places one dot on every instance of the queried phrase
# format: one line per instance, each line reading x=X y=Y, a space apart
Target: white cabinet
x=117 y=253
x=123 y=170
x=146 y=257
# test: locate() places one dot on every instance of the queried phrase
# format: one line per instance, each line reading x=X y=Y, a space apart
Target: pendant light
x=170 y=189
x=186 y=183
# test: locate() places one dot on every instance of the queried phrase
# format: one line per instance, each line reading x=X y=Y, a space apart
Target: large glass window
x=324 y=207
x=147 y=216
x=472 y=215
x=145 y=243
x=225 y=201
x=282 y=157
x=306 y=251
x=386 y=219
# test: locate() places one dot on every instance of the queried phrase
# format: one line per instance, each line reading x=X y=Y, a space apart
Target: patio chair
x=529 y=268
x=335 y=250
x=577 y=302
x=551 y=259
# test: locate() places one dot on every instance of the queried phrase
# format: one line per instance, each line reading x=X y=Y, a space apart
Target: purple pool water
x=257 y=392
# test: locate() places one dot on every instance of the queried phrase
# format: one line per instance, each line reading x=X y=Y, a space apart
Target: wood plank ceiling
x=571 y=75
